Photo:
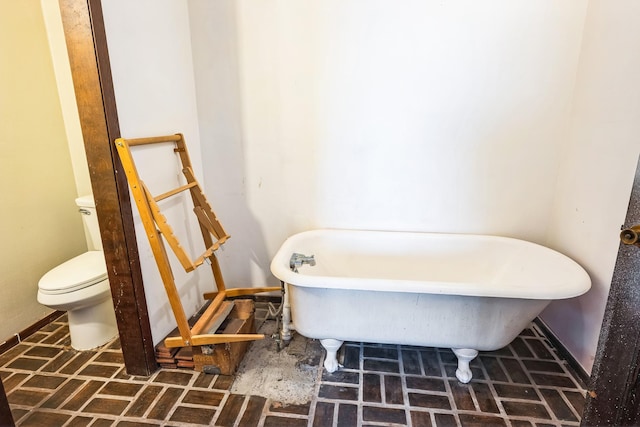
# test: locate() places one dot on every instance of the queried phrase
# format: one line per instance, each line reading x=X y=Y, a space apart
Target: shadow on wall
x=244 y=258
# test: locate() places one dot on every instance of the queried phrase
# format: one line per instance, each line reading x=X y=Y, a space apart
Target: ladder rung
x=207 y=339
x=175 y=191
x=154 y=140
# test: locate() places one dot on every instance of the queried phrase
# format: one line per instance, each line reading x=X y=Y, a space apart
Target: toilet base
x=93 y=326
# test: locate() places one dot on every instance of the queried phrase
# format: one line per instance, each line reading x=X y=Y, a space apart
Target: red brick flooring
x=524 y=384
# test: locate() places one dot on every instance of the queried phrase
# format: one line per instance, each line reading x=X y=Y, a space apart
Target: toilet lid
x=77 y=273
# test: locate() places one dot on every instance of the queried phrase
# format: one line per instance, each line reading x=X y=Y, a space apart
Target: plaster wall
x=597 y=167
x=426 y=116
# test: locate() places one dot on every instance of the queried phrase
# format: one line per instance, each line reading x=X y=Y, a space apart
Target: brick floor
x=524 y=384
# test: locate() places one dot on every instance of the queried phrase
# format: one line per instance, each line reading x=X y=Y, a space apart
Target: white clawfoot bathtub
x=467 y=292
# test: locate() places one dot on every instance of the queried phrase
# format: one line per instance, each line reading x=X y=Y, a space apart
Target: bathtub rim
x=280 y=268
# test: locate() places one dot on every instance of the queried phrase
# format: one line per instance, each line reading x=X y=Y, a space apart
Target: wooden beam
x=90 y=68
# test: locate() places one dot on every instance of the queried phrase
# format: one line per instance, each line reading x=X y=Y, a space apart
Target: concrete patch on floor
x=288 y=376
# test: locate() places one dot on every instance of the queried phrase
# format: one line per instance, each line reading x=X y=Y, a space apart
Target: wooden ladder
x=213 y=234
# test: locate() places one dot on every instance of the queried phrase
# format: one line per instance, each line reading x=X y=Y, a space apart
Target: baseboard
x=563 y=352
x=28 y=331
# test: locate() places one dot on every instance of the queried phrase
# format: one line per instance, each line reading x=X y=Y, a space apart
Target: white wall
x=415 y=116
x=598 y=168
x=214 y=28
x=152 y=66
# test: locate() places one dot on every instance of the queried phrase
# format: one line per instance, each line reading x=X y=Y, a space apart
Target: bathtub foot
x=464 y=355
x=331 y=361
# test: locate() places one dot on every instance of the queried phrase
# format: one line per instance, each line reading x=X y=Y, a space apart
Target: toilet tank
x=87 y=207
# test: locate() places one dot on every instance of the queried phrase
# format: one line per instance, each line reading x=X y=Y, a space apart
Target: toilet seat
x=77 y=273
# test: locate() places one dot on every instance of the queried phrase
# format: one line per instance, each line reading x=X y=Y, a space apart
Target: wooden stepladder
x=213 y=234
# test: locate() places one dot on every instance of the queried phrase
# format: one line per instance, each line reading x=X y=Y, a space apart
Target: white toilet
x=80 y=286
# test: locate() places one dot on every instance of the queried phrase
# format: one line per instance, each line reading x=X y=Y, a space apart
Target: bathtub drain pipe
x=287 y=325
x=275 y=313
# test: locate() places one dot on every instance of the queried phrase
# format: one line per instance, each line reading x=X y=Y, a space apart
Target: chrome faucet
x=298 y=260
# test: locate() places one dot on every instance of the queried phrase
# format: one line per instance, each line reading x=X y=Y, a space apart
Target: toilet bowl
x=80 y=287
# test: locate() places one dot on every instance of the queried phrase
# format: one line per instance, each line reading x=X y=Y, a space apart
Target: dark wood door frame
x=91 y=71
x=613 y=398
x=6 y=419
